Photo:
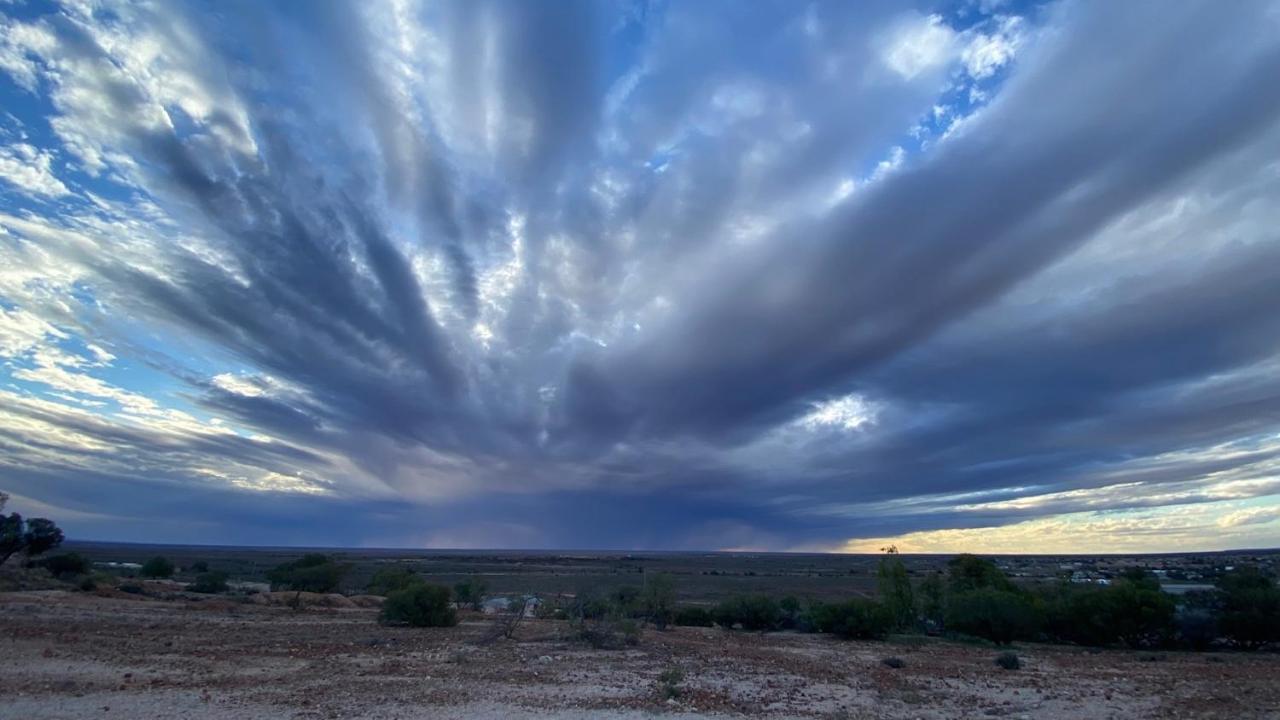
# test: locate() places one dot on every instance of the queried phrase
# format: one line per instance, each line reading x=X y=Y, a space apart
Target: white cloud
x=986 y=53
x=849 y=412
x=30 y=170
x=917 y=45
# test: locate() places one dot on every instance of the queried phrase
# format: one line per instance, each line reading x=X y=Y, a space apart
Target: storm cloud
x=646 y=275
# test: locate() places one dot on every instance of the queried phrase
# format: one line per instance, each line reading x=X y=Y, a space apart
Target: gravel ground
x=77 y=655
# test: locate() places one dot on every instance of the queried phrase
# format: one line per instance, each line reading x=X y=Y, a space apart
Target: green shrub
x=966 y=573
x=894 y=662
x=610 y=633
x=419 y=605
x=199 y=566
x=66 y=565
x=131 y=588
x=390 y=579
x=997 y=615
x=659 y=600
x=856 y=619
x=1008 y=661
x=669 y=683
x=157 y=567
x=1134 y=611
x=752 y=612
x=1250 y=608
x=693 y=617
x=209 y=583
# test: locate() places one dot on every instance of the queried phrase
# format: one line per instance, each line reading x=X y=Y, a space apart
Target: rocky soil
x=79 y=655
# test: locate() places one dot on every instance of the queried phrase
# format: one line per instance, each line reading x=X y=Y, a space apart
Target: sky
x=971 y=275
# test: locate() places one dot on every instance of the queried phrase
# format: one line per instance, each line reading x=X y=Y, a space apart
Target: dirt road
x=77 y=655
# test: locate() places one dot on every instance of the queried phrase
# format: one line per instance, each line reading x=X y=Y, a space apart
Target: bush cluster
x=975 y=598
x=209 y=583
x=420 y=605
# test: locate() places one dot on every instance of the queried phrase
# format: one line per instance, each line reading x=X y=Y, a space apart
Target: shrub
x=1008 y=661
x=997 y=615
x=157 y=567
x=693 y=617
x=199 y=566
x=857 y=619
x=659 y=600
x=790 y=612
x=388 y=580
x=1134 y=611
x=419 y=605
x=752 y=612
x=669 y=683
x=131 y=588
x=1250 y=608
x=66 y=565
x=1140 y=612
x=1197 y=628
x=894 y=662
x=209 y=583
x=610 y=633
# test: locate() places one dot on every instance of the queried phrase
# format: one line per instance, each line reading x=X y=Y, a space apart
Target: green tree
x=471 y=592
x=895 y=591
x=1140 y=612
x=157 y=567
x=314 y=572
x=419 y=605
x=970 y=572
x=34 y=536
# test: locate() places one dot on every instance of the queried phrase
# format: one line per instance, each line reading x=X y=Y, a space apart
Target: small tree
x=659 y=599
x=34 y=536
x=419 y=605
x=933 y=597
x=970 y=572
x=471 y=592
x=313 y=572
x=157 y=567
x=895 y=590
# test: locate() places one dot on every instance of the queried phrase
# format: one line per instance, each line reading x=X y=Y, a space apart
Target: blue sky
x=971 y=275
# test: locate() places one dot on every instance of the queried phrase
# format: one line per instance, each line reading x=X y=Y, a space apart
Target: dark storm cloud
x=579 y=273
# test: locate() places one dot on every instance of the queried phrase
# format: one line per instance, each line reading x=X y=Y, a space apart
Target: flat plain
x=167 y=653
